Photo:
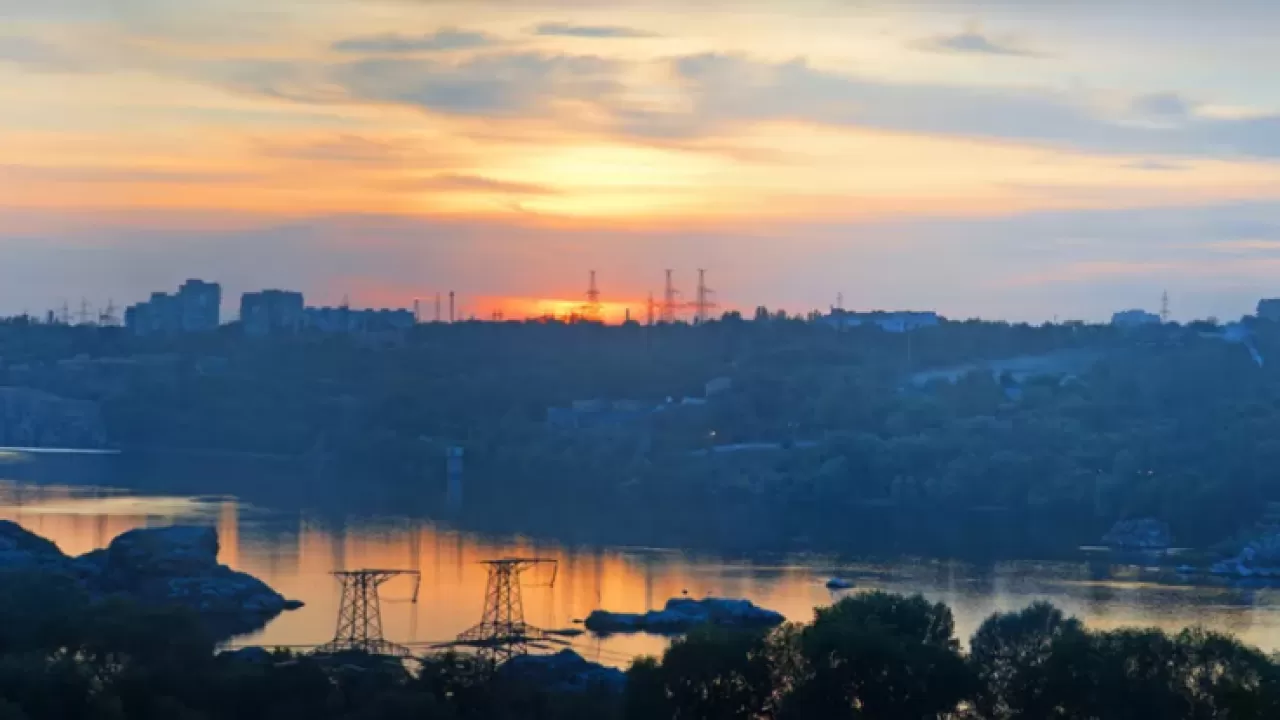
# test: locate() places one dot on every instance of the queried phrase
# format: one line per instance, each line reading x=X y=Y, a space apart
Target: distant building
x=196 y=307
x=1134 y=318
x=894 y=322
x=200 y=306
x=346 y=320
x=1269 y=309
x=272 y=312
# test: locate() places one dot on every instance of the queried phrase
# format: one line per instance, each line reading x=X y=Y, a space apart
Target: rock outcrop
x=33 y=418
x=683 y=614
x=1139 y=534
x=155 y=566
x=22 y=550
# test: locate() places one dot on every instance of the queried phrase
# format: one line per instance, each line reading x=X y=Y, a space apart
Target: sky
x=1022 y=161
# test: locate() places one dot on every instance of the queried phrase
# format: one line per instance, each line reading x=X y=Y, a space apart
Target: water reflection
x=296 y=552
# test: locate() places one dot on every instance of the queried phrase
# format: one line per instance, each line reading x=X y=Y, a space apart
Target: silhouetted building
x=1134 y=318
x=200 y=305
x=1269 y=309
x=346 y=320
x=894 y=322
x=272 y=312
x=195 y=307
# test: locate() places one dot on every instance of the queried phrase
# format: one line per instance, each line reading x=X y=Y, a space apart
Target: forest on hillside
x=1061 y=428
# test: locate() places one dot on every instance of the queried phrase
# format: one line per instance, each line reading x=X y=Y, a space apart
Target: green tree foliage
x=711 y=674
x=880 y=656
x=1015 y=656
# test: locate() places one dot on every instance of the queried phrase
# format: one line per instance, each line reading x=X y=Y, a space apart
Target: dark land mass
x=770 y=433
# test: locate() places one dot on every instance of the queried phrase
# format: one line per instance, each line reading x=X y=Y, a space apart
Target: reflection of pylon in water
x=502 y=633
x=360 y=615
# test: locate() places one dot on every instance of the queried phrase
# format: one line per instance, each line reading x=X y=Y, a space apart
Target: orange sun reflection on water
x=297 y=558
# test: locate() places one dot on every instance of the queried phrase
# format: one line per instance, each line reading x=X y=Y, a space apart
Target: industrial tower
x=593 y=310
x=703 y=306
x=360 y=615
x=669 y=305
x=502 y=633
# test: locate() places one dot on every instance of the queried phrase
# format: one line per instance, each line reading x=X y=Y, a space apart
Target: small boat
x=839 y=584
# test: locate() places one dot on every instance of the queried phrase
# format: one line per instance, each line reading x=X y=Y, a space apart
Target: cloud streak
x=972 y=42
x=562 y=29
x=443 y=40
x=475 y=184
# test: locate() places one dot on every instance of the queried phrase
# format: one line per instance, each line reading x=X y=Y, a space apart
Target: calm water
x=295 y=547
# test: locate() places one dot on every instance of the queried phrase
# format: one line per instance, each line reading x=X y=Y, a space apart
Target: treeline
x=869 y=657
x=1172 y=422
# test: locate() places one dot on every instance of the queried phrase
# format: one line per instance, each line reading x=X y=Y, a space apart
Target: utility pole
x=502 y=633
x=360 y=614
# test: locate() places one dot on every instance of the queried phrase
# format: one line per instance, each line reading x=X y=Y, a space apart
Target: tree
x=711 y=674
x=1011 y=656
x=880 y=657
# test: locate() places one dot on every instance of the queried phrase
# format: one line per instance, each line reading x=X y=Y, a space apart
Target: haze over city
x=978 y=159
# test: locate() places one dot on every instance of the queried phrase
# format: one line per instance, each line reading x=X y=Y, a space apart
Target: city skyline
x=976 y=159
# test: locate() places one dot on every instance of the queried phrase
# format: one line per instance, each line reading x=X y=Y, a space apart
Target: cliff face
x=33 y=418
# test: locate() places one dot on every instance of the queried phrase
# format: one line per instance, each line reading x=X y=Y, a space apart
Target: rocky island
x=154 y=566
x=683 y=614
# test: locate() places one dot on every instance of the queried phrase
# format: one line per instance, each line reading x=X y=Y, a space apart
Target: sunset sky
x=997 y=159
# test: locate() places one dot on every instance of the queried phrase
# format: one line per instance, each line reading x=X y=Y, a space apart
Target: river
x=294 y=540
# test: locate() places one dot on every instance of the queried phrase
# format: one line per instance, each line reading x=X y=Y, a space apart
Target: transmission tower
x=360 y=615
x=591 y=312
x=703 y=306
x=651 y=307
x=502 y=633
x=669 y=296
x=1164 y=307
x=107 y=318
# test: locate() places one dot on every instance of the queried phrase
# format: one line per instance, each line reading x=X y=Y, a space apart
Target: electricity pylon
x=360 y=614
x=502 y=633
